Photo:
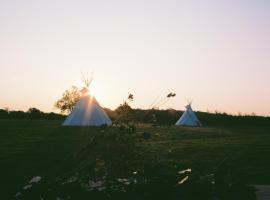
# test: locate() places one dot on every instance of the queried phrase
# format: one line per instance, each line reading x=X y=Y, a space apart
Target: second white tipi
x=87 y=111
x=188 y=118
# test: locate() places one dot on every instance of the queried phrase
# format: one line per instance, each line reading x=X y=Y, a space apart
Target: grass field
x=31 y=148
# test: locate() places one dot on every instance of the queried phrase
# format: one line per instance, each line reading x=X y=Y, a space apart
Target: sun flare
x=93 y=91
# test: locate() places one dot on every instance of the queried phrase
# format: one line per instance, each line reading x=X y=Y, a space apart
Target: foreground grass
x=34 y=147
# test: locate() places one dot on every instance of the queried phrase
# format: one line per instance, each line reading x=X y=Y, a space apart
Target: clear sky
x=216 y=52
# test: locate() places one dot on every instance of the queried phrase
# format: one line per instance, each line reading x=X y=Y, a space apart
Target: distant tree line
x=153 y=116
x=170 y=116
x=32 y=113
x=212 y=119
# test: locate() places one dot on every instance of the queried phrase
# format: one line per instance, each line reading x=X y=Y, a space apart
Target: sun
x=93 y=91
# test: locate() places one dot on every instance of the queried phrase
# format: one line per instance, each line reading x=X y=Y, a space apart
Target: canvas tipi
x=188 y=118
x=87 y=111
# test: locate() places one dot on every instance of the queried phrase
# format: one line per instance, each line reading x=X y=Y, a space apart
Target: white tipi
x=188 y=118
x=87 y=111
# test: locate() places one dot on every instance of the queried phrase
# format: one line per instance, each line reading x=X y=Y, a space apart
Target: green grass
x=38 y=147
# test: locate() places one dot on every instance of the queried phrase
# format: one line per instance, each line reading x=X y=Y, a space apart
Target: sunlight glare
x=93 y=91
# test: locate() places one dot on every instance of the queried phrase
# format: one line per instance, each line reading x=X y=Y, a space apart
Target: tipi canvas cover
x=87 y=112
x=188 y=118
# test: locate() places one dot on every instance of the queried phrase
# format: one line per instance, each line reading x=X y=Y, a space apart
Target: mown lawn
x=43 y=148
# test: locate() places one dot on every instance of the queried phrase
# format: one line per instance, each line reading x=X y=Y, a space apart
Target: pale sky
x=216 y=52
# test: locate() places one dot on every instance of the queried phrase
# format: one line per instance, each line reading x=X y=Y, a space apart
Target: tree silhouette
x=68 y=100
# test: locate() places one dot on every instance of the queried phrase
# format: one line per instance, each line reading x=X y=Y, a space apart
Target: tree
x=125 y=113
x=123 y=109
x=35 y=113
x=68 y=100
x=3 y=113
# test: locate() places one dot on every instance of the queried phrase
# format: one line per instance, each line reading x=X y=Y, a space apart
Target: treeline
x=169 y=117
x=153 y=116
x=32 y=113
x=212 y=119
